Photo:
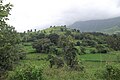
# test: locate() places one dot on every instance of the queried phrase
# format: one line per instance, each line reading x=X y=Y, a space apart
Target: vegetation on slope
x=97 y=25
x=56 y=53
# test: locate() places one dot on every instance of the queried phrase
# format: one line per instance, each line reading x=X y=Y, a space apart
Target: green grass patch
x=88 y=60
x=35 y=56
x=99 y=57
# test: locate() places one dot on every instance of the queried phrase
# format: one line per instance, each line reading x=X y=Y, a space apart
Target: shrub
x=78 y=66
x=109 y=73
x=42 y=45
x=83 y=50
x=93 y=51
x=27 y=73
x=86 y=42
x=55 y=61
x=118 y=57
x=53 y=38
x=102 y=49
x=77 y=36
x=78 y=43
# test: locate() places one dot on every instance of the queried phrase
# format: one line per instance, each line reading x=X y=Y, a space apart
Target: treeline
x=102 y=43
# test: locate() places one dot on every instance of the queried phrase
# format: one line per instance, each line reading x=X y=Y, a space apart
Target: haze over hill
x=98 y=25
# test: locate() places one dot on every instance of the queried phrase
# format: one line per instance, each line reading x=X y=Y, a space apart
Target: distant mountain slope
x=97 y=25
x=112 y=30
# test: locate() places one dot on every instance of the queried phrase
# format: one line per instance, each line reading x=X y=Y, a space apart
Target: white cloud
x=29 y=14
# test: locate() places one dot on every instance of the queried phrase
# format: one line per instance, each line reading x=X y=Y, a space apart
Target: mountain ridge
x=96 y=25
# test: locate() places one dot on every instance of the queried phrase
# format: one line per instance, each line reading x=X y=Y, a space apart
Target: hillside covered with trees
x=56 y=53
x=57 y=36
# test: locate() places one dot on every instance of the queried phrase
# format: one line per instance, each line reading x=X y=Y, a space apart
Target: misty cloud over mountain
x=39 y=14
x=92 y=11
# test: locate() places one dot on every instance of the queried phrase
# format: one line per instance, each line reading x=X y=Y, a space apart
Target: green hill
x=98 y=25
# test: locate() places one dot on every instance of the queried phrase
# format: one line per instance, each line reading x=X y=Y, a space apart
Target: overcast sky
x=39 y=14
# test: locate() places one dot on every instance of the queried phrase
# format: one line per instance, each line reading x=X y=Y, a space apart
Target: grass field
x=91 y=62
x=91 y=67
x=99 y=57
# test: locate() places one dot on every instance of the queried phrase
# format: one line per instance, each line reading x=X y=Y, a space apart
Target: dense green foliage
x=10 y=50
x=27 y=73
x=42 y=45
x=109 y=73
x=92 y=39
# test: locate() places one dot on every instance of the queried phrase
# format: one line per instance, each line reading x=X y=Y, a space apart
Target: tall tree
x=8 y=41
x=70 y=52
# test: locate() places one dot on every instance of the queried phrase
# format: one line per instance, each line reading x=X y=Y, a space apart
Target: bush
x=55 y=61
x=91 y=43
x=93 y=51
x=109 y=73
x=27 y=73
x=78 y=66
x=78 y=43
x=53 y=38
x=118 y=57
x=102 y=49
x=83 y=50
x=21 y=53
x=42 y=45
